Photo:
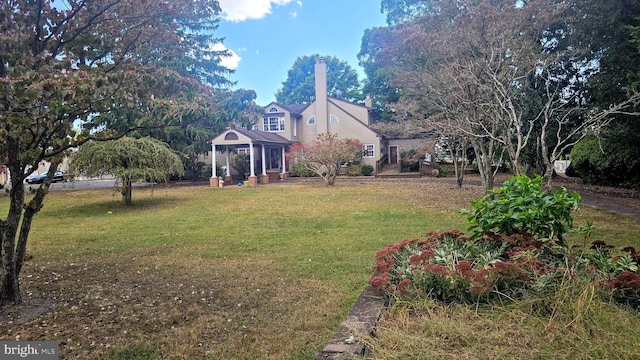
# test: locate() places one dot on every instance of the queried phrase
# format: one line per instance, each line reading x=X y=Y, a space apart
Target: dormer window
x=273 y=124
x=311 y=120
x=273 y=110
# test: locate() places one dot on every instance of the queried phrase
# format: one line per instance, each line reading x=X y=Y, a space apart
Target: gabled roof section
x=240 y=136
x=264 y=137
x=295 y=109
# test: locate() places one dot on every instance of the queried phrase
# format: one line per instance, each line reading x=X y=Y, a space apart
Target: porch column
x=213 y=181
x=283 y=174
x=253 y=180
x=264 y=178
x=227 y=176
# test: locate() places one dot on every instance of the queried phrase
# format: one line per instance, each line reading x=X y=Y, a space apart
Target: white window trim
x=266 y=124
x=368 y=148
x=273 y=110
x=332 y=121
x=311 y=120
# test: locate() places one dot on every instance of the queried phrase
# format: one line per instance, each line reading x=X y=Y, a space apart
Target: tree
x=128 y=159
x=399 y=11
x=60 y=66
x=192 y=139
x=475 y=66
x=299 y=88
x=465 y=67
x=376 y=82
x=325 y=155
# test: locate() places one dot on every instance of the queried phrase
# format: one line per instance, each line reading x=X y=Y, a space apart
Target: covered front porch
x=266 y=155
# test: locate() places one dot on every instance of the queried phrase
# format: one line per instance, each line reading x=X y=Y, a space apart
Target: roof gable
x=295 y=109
x=239 y=136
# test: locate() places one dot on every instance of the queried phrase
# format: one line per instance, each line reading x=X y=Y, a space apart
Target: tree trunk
x=126 y=191
x=457 y=152
x=9 y=274
x=13 y=254
x=484 y=157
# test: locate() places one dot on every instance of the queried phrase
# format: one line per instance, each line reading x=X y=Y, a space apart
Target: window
x=273 y=124
x=311 y=120
x=334 y=119
x=243 y=151
x=273 y=110
x=368 y=150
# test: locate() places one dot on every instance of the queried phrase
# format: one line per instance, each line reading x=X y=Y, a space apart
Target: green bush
x=443 y=172
x=296 y=170
x=510 y=254
x=521 y=206
x=367 y=170
x=241 y=164
x=410 y=161
x=354 y=170
x=612 y=161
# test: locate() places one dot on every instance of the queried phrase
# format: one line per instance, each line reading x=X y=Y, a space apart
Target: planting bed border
x=362 y=319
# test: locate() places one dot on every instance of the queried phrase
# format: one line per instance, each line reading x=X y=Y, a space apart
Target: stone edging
x=362 y=318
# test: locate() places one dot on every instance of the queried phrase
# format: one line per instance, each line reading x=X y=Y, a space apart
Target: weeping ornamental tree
x=128 y=159
x=325 y=155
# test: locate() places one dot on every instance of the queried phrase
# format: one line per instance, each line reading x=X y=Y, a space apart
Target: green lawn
x=243 y=273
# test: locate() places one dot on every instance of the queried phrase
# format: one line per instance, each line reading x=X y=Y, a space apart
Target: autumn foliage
x=450 y=266
x=325 y=155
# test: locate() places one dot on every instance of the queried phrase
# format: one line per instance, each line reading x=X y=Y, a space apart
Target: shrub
x=450 y=266
x=354 y=170
x=611 y=161
x=241 y=164
x=297 y=170
x=410 y=160
x=367 y=170
x=520 y=206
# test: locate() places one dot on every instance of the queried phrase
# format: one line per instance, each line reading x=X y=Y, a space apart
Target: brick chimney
x=322 y=116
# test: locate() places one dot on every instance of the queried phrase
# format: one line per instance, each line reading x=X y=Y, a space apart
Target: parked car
x=39 y=178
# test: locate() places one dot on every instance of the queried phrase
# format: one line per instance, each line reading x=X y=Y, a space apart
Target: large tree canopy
x=80 y=62
x=376 y=83
x=508 y=76
x=299 y=88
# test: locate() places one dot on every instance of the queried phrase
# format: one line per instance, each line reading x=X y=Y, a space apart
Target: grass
x=259 y=273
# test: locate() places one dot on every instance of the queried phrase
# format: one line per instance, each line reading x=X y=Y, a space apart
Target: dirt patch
x=29 y=310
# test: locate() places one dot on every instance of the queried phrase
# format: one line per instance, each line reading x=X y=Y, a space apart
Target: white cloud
x=231 y=61
x=241 y=10
x=294 y=14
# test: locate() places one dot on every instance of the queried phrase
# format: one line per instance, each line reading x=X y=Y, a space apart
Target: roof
x=264 y=136
x=256 y=137
x=296 y=108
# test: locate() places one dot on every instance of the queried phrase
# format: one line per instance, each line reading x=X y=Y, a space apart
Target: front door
x=393 y=154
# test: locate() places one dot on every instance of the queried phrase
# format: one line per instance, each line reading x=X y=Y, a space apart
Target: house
x=283 y=125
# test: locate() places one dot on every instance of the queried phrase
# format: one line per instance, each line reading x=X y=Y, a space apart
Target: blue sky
x=266 y=36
